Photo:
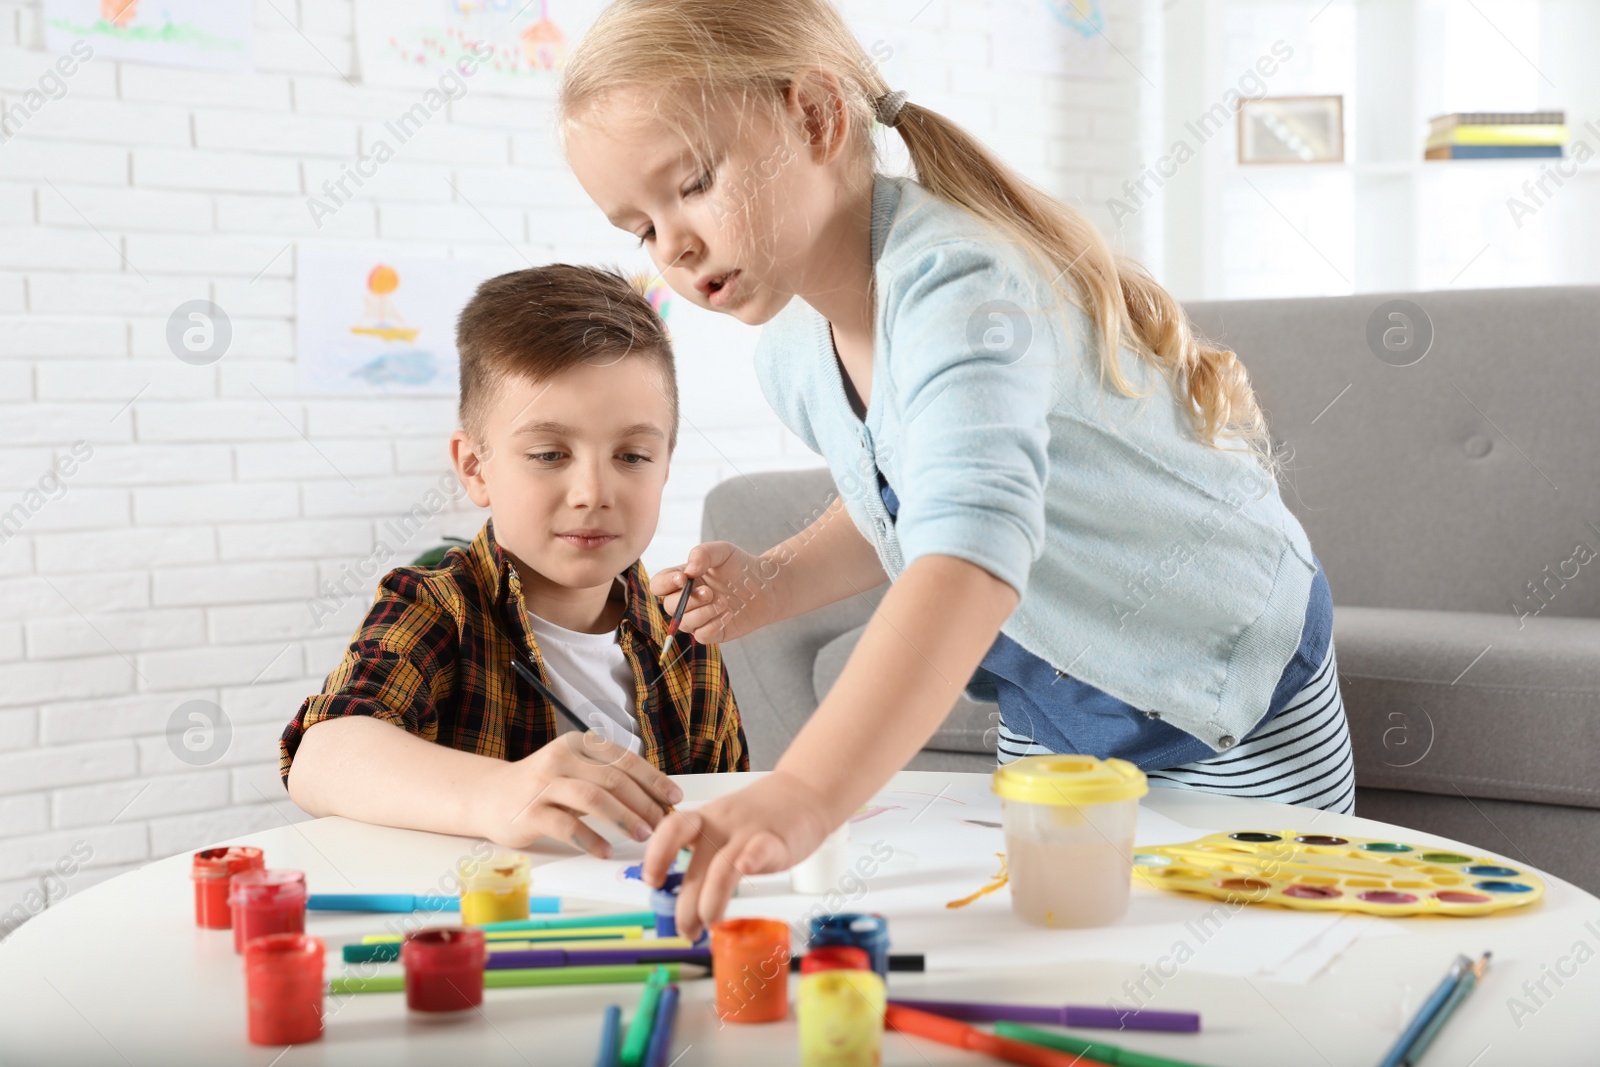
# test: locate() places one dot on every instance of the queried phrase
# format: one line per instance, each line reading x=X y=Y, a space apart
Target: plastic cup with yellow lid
x=1069 y=822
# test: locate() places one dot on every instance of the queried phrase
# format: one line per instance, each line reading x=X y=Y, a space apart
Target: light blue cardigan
x=1164 y=571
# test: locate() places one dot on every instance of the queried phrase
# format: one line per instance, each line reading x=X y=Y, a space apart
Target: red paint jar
x=211 y=871
x=267 y=902
x=283 y=988
x=444 y=968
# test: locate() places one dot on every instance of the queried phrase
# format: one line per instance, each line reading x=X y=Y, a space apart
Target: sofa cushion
x=970 y=726
x=1470 y=704
x=1449 y=484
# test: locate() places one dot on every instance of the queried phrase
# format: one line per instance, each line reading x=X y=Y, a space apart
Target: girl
x=1073 y=495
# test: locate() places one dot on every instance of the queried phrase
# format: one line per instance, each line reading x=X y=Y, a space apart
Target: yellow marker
x=494 y=890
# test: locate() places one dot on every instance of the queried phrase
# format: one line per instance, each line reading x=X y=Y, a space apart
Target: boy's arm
x=364 y=748
x=364 y=768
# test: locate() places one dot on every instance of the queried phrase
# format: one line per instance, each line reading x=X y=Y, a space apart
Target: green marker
x=534 y=976
x=576 y=922
x=638 y=1039
x=1095 y=1050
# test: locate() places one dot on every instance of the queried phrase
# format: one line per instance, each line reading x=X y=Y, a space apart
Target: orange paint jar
x=750 y=960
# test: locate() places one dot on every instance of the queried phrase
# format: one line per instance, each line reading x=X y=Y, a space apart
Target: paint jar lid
x=502 y=872
x=226 y=862
x=443 y=947
x=1069 y=780
x=835 y=958
x=751 y=937
x=295 y=952
x=267 y=887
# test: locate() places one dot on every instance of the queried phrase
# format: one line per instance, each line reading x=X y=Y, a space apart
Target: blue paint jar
x=664 y=902
x=870 y=933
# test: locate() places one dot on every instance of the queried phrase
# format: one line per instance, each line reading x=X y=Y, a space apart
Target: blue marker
x=408 y=902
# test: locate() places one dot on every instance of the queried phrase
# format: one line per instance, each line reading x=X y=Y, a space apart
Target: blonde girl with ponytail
x=1073 y=495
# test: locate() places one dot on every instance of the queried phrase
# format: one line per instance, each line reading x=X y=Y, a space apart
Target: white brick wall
x=180 y=561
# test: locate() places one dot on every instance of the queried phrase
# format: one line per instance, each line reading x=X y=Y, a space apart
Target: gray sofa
x=1446 y=466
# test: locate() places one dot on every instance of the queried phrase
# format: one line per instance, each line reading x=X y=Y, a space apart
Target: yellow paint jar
x=840 y=1008
x=495 y=889
x=1069 y=823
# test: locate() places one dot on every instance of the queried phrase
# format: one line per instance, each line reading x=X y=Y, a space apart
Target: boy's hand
x=767 y=826
x=543 y=795
x=735 y=593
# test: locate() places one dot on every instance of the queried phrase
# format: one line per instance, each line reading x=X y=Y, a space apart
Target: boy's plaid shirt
x=434 y=657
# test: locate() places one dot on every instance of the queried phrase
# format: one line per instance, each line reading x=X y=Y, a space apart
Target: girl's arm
x=915 y=657
x=822 y=564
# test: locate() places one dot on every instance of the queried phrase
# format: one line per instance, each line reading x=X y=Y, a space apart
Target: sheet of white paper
x=912 y=853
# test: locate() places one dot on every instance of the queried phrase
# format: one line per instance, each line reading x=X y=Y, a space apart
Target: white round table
x=119 y=974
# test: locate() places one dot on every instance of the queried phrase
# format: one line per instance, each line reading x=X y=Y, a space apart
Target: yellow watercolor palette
x=1323 y=872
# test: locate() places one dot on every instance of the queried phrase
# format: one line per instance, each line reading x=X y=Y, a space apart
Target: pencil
x=1425 y=1015
x=1468 y=983
x=677 y=619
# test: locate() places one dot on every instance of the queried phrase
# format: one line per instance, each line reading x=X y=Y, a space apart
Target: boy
x=569 y=414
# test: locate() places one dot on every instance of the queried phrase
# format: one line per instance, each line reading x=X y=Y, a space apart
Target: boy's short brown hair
x=537 y=323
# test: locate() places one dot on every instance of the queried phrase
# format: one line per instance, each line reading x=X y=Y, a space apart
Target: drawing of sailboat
x=381 y=318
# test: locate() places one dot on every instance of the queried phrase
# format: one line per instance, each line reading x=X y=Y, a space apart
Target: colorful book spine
x=1547 y=134
x=1495 y=151
x=1445 y=123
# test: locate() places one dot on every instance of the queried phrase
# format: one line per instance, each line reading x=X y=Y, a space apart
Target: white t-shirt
x=592 y=677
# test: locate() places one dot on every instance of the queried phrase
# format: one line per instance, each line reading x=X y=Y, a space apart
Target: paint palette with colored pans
x=1321 y=872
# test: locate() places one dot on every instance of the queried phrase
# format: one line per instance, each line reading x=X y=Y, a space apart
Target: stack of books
x=1498 y=135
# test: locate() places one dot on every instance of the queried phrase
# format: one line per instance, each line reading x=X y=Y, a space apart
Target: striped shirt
x=434 y=657
x=1300 y=756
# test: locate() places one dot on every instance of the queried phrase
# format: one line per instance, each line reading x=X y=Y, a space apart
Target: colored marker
x=566 y=934
x=620 y=950
x=543 y=976
x=1118 y=1057
x=960 y=1035
x=637 y=1040
x=575 y=922
x=610 y=1037
x=1401 y=1049
x=660 y=1046
x=1066 y=1015
x=405 y=902
x=557 y=957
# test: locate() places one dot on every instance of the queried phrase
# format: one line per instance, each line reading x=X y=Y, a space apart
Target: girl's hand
x=542 y=795
x=735 y=593
x=767 y=826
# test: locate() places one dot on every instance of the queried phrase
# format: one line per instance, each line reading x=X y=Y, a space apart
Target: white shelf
x=1385 y=220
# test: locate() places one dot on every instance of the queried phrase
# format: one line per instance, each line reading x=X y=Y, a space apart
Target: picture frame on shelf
x=1276 y=130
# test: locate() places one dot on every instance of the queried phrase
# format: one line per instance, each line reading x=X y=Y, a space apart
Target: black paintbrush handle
x=544 y=691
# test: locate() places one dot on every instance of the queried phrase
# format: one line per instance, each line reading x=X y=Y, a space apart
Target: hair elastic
x=888 y=107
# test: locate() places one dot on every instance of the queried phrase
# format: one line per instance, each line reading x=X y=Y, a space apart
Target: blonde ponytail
x=757 y=47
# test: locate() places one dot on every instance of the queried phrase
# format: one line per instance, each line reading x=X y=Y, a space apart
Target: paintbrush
x=568 y=714
x=677 y=619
